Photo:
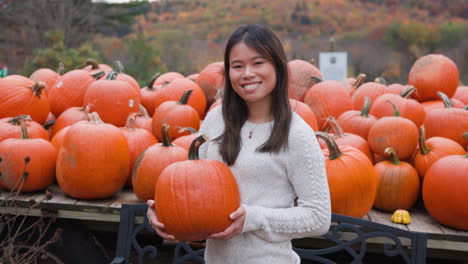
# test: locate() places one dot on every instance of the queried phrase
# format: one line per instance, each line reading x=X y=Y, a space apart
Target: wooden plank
x=126 y=196
x=59 y=200
x=80 y=215
x=384 y=218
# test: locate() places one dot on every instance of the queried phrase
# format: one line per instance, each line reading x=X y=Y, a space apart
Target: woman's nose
x=248 y=72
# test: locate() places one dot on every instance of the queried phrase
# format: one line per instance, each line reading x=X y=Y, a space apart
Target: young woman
x=272 y=153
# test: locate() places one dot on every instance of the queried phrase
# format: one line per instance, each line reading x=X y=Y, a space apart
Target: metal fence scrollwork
x=347 y=235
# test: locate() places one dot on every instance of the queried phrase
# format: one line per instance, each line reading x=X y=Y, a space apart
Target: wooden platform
x=107 y=210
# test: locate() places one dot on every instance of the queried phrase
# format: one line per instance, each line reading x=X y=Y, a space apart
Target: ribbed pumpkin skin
x=8 y=130
x=304 y=112
x=433 y=73
x=168 y=77
x=352 y=122
x=195 y=197
x=185 y=141
x=93 y=162
x=439 y=104
x=328 y=98
x=113 y=100
x=370 y=89
x=175 y=115
x=69 y=91
x=68 y=118
x=300 y=79
x=399 y=133
x=398 y=186
x=461 y=94
x=17 y=98
x=48 y=76
x=210 y=80
x=447 y=122
x=439 y=148
x=40 y=168
x=352 y=182
x=444 y=191
x=174 y=91
x=149 y=166
x=408 y=108
x=57 y=139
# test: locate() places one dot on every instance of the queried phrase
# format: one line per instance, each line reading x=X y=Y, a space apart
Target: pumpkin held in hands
x=195 y=197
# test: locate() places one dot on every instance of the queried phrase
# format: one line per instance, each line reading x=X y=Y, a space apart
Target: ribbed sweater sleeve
x=307 y=174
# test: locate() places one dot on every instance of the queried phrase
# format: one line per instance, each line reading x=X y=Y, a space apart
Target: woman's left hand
x=235 y=228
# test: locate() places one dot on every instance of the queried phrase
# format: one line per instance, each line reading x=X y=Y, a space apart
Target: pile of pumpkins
x=95 y=130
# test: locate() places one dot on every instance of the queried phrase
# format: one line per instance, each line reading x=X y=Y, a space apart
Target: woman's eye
x=258 y=62
x=236 y=66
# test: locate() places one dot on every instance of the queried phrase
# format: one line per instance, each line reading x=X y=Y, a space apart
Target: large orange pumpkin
x=302 y=76
x=69 y=117
x=444 y=191
x=211 y=80
x=21 y=96
x=26 y=164
x=358 y=122
x=149 y=165
x=186 y=141
x=148 y=94
x=10 y=128
x=370 y=89
x=398 y=184
x=48 y=76
x=94 y=160
x=431 y=74
x=351 y=178
x=461 y=94
x=304 y=112
x=190 y=191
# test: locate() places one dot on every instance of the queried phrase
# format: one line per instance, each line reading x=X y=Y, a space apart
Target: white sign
x=333 y=65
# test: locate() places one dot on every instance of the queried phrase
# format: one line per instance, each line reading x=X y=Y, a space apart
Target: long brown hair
x=235 y=110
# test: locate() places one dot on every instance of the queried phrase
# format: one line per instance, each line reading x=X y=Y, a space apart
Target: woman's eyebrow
x=253 y=58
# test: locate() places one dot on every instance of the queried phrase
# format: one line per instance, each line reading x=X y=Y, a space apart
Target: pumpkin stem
x=165 y=136
x=120 y=67
x=151 y=83
x=130 y=124
x=331 y=144
x=196 y=143
x=87 y=111
x=185 y=97
x=423 y=147
x=98 y=75
x=315 y=79
x=16 y=120
x=61 y=68
x=466 y=107
x=407 y=91
x=381 y=80
x=37 y=88
x=312 y=61
x=359 y=80
x=189 y=129
x=48 y=124
x=95 y=119
x=366 y=107
x=24 y=130
x=395 y=109
x=143 y=111
x=112 y=75
x=445 y=99
x=92 y=62
x=393 y=156
x=337 y=129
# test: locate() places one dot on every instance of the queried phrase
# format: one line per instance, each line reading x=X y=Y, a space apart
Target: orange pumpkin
x=143 y=119
x=197 y=205
x=168 y=77
x=94 y=160
x=186 y=141
x=69 y=117
x=26 y=164
x=211 y=80
x=48 y=76
x=138 y=140
x=121 y=76
x=396 y=132
x=301 y=78
x=93 y=67
x=149 y=165
x=21 y=96
x=431 y=150
x=431 y=74
x=304 y=112
x=175 y=114
x=358 y=122
x=10 y=128
x=398 y=184
x=57 y=139
x=461 y=94
x=351 y=178
x=444 y=191
x=370 y=89
x=148 y=94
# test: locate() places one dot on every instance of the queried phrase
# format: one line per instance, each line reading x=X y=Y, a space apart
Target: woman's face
x=253 y=77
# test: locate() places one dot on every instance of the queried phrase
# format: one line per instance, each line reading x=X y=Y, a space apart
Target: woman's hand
x=235 y=228
x=158 y=226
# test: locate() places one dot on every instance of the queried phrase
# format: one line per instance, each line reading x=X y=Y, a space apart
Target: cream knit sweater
x=268 y=185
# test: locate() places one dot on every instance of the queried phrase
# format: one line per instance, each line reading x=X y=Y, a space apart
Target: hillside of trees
x=382 y=38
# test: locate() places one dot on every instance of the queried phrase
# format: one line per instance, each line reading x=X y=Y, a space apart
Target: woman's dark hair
x=235 y=110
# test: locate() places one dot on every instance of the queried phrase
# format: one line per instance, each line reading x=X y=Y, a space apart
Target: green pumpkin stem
x=24 y=130
x=185 y=97
x=333 y=148
x=407 y=91
x=445 y=99
x=423 y=147
x=165 y=136
x=98 y=75
x=360 y=79
x=112 y=75
x=92 y=62
x=395 y=109
x=366 y=107
x=337 y=129
x=143 y=111
x=196 y=143
x=61 y=69
x=120 y=67
x=151 y=82
x=393 y=156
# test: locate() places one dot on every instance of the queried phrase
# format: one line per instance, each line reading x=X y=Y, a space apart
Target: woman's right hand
x=158 y=226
